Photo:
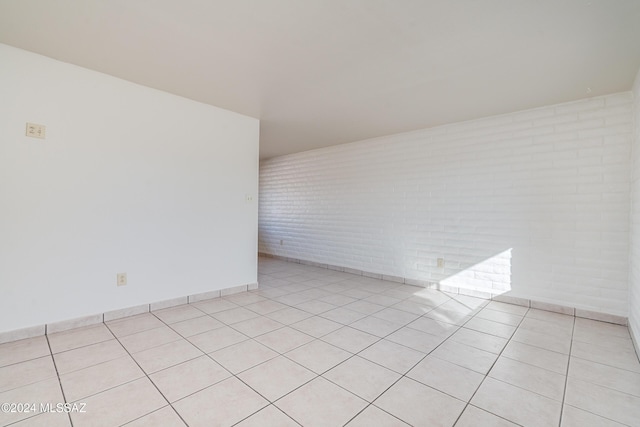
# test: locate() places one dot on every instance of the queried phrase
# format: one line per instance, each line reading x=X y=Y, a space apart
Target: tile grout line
x=488 y=371
x=411 y=368
x=147 y=377
x=55 y=365
x=233 y=375
x=566 y=379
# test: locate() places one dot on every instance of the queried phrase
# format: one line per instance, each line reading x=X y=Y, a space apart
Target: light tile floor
x=316 y=347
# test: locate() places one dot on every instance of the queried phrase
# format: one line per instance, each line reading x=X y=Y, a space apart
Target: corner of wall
x=634 y=232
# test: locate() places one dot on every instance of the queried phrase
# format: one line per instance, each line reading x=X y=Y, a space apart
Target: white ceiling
x=325 y=72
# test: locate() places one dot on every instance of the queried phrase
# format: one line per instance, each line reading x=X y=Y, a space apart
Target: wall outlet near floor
x=440 y=262
x=121 y=279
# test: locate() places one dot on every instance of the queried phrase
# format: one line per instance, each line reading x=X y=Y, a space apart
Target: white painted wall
x=550 y=184
x=129 y=179
x=634 y=257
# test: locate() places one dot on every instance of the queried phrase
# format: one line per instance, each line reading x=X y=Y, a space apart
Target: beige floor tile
x=604 y=329
x=315 y=306
x=292 y=298
x=416 y=340
x=574 y=417
x=79 y=337
x=289 y=376
x=375 y=326
x=516 y=404
x=48 y=419
x=178 y=313
x=321 y=403
x=265 y=307
x=318 y=356
x=414 y=307
x=536 y=356
x=214 y=305
x=605 y=402
x=216 y=339
x=529 y=377
x=393 y=356
x=166 y=355
x=316 y=326
x=145 y=340
x=197 y=325
x=343 y=315
x=396 y=316
x=244 y=298
x=242 y=356
x=24 y=373
x=116 y=406
x=460 y=307
x=84 y=357
x=362 y=377
x=466 y=356
x=596 y=338
x=469 y=301
x=606 y=376
x=429 y=297
x=350 y=339
x=500 y=317
x=433 y=327
x=543 y=340
x=23 y=350
x=234 y=315
x=475 y=417
x=133 y=324
x=612 y=356
x=97 y=378
x=268 y=417
x=47 y=391
x=417 y=404
x=384 y=300
x=364 y=307
x=284 y=339
x=338 y=300
x=356 y=294
x=222 y=404
x=507 y=308
x=544 y=327
x=448 y=316
x=189 y=377
x=164 y=417
x=446 y=377
x=373 y=416
x=490 y=327
x=257 y=326
x=289 y=315
x=563 y=320
x=314 y=293
x=481 y=340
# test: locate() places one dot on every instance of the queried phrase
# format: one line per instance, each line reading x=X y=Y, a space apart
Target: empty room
x=320 y=213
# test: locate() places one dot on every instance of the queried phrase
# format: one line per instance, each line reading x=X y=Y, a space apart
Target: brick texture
x=533 y=204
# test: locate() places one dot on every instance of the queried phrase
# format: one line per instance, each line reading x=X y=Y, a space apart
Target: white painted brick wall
x=535 y=201
x=634 y=257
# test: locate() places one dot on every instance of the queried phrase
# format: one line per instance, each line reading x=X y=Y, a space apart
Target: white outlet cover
x=121 y=279
x=35 y=130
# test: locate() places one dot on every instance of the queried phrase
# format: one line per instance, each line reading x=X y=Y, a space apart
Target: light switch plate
x=35 y=130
